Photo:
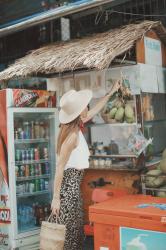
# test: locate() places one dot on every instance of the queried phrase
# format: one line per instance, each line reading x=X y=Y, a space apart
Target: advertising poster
x=137 y=239
x=34 y=98
x=4 y=185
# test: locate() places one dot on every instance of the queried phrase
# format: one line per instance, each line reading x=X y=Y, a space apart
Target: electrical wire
x=135 y=14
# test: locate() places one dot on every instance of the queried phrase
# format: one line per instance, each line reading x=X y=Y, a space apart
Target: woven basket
x=52 y=236
x=107 y=119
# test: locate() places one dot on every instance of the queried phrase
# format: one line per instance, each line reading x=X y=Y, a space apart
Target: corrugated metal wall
x=15 y=9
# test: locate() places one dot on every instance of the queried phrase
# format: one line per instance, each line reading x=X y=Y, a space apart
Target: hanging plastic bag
x=137 y=143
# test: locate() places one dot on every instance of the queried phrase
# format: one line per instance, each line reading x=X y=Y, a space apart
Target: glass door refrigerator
x=31 y=164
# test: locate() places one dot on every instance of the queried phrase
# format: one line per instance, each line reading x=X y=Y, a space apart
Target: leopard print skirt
x=71 y=209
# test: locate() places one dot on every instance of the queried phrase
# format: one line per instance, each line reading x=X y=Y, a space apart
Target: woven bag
x=52 y=235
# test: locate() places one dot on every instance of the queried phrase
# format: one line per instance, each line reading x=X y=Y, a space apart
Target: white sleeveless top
x=79 y=158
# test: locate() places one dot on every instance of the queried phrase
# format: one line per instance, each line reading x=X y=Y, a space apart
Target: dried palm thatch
x=94 y=52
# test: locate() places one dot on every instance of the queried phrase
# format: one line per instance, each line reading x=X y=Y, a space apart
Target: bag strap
x=57 y=218
x=51 y=215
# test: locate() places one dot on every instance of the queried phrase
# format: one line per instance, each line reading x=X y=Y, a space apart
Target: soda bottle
x=47 y=171
x=31 y=154
x=27 y=172
x=20 y=136
x=37 y=157
x=32 y=170
x=17 y=171
x=18 y=155
x=42 y=130
x=31 y=187
x=46 y=184
x=16 y=135
x=45 y=153
x=23 y=155
x=27 y=155
x=42 y=185
x=36 y=169
x=22 y=171
x=37 y=129
x=46 y=130
x=39 y=169
x=37 y=185
x=32 y=130
x=26 y=130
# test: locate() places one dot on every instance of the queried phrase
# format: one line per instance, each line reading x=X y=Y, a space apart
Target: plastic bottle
x=45 y=153
x=42 y=130
x=46 y=170
x=37 y=129
x=36 y=154
x=32 y=130
x=114 y=148
x=26 y=130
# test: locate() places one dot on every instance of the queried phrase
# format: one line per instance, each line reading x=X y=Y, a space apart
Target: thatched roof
x=94 y=52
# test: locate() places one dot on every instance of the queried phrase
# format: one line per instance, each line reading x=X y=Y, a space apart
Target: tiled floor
x=88 y=244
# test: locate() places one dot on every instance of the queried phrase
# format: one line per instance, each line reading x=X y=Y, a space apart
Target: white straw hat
x=72 y=103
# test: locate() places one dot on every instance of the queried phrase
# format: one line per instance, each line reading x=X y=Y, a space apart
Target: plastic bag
x=137 y=143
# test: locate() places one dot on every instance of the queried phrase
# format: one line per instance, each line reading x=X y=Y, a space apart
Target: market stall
x=119 y=135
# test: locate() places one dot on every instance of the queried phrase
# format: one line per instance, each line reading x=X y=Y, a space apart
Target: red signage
x=34 y=98
x=5 y=215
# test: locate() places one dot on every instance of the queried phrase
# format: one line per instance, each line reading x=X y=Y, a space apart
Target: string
x=135 y=14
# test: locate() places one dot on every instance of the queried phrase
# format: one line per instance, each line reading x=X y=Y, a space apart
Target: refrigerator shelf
x=30 y=141
x=44 y=176
x=23 y=195
x=31 y=162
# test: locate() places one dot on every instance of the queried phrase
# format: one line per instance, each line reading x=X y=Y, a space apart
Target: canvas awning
x=94 y=52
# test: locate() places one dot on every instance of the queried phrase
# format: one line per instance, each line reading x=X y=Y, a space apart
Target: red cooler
x=130 y=222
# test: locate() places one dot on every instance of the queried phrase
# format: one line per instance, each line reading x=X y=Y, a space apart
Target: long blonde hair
x=65 y=130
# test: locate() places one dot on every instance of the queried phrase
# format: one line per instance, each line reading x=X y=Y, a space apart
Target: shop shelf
x=31 y=162
x=156 y=160
x=114 y=156
x=19 y=179
x=154 y=121
x=22 y=195
x=124 y=124
x=114 y=168
x=30 y=141
x=30 y=228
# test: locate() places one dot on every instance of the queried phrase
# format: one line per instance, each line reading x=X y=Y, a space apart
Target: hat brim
x=84 y=98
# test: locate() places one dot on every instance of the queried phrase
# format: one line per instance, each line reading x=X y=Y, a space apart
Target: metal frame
x=15 y=238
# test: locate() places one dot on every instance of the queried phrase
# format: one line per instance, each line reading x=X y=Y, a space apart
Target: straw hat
x=72 y=103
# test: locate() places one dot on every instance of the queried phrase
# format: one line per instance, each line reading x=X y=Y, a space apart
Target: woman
x=73 y=155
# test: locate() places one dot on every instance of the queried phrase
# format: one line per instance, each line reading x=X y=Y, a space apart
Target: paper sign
x=104 y=248
x=148 y=78
x=153 y=53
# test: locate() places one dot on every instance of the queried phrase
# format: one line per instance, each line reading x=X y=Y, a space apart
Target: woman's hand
x=114 y=88
x=55 y=206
